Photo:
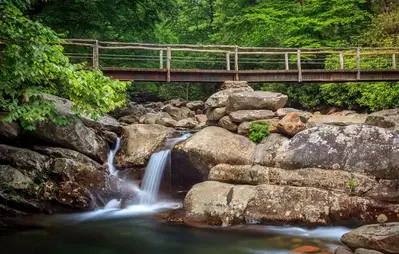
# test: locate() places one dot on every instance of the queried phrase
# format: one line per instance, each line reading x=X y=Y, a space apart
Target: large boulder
x=234 y=204
x=13 y=178
x=384 y=238
x=250 y=115
x=212 y=146
x=219 y=99
x=139 y=141
x=353 y=148
x=267 y=150
x=291 y=124
x=75 y=136
x=385 y=119
x=215 y=114
x=8 y=131
x=178 y=113
x=64 y=107
x=255 y=100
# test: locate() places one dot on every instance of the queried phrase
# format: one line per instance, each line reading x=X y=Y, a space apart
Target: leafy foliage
x=33 y=64
x=258 y=130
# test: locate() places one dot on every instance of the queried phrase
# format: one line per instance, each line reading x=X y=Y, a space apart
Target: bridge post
x=236 y=63
x=394 y=66
x=358 y=63
x=341 y=60
x=168 y=60
x=161 y=59
x=299 y=66
x=96 y=55
x=287 y=65
x=228 y=61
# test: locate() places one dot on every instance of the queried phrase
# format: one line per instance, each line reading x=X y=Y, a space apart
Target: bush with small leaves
x=258 y=130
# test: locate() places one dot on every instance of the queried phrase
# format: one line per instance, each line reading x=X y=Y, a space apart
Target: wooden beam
x=236 y=63
x=341 y=60
x=287 y=63
x=358 y=63
x=96 y=52
x=299 y=66
x=161 y=59
x=228 y=61
x=394 y=66
x=168 y=63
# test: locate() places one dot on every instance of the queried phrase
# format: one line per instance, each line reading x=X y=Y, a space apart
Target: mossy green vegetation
x=258 y=130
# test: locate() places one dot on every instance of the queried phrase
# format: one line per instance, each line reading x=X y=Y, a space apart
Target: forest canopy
x=282 y=23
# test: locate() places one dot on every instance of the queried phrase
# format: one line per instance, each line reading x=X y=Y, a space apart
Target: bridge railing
x=228 y=58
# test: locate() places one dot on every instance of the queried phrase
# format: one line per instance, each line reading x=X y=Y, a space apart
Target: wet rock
x=266 y=151
x=178 y=113
x=233 y=84
x=255 y=100
x=75 y=136
x=13 y=178
x=385 y=119
x=215 y=145
x=194 y=105
x=130 y=119
x=290 y=125
x=188 y=123
x=226 y=123
x=282 y=112
x=139 y=141
x=366 y=251
x=306 y=249
x=353 y=148
x=250 y=115
x=31 y=163
x=8 y=131
x=214 y=114
x=110 y=137
x=219 y=99
x=384 y=238
x=201 y=118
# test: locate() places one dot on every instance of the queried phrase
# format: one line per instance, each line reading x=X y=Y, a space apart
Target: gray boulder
x=267 y=150
x=178 y=113
x=250 y=115
x=255 y=100
x=8 y=131
x=385 y=119
x=226 y=123
x=214 y=114
x=212 y=146
x=139 y=141
x=75 y=136
x=219 y=99
x=187 y=123
x=194 y=105
x=353 y=148
x=384 y=238
x=14 y=178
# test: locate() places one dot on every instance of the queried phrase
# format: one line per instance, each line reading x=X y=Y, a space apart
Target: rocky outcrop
x=383 y=238
x=8 y=131
x=57 y=180
x=75 y=136
x=353 y=148
x=255 y=100
x=212 y=146
x=139 y=141
x=385 y=119
x=219 y=99
x=233 y=204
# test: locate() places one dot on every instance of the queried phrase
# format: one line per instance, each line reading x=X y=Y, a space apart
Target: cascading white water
x=154 y=171
x=111 y=157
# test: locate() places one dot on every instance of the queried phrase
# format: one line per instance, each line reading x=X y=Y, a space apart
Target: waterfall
x=111 y=157
x=154 y=171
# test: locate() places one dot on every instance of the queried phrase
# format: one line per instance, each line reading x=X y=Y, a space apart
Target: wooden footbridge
x=218 y=63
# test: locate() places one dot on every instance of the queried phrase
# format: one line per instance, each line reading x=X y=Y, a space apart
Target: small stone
x=291 y=124
x=226 y=123
x=306 y=249
x=214 y=114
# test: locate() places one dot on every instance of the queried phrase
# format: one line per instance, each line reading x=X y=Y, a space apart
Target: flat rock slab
x=384 y=238
x=219 y=99
x=255 y=100
x=250 y=115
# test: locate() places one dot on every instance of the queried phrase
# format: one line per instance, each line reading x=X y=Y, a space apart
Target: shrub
x=258 y=130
